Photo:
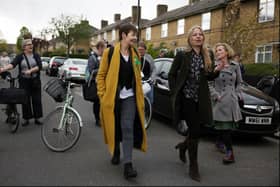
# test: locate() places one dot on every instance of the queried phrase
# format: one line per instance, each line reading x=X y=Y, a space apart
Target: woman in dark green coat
x=188 y=76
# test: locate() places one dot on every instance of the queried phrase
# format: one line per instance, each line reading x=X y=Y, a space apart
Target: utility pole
x=138 y=22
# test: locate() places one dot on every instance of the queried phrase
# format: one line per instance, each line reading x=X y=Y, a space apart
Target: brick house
x=170 y=27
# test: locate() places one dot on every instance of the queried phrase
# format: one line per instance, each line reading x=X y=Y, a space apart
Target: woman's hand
x=28 y=72
x=219 y=67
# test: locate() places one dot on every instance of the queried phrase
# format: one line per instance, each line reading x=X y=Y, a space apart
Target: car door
x=162 y=101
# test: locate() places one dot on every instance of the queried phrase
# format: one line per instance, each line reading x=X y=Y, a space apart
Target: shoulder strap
x=111 y=50
x=27 y=61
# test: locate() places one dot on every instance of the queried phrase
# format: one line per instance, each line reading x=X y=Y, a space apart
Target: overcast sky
x=36 y=14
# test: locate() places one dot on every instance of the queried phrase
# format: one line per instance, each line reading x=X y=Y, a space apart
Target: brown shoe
x=229 y=157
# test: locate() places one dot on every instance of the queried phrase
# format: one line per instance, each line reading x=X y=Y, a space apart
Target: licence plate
x=258 y=120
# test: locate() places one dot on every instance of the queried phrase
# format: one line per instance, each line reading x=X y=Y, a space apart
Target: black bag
x=90 y=91
x=56 y=89
x=13 y=96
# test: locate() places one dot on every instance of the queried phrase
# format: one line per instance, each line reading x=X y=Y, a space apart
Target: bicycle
x=147 y=103
x=62 y=127
x=11 y=101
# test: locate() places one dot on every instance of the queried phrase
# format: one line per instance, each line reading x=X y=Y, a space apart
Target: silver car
x=73 y=69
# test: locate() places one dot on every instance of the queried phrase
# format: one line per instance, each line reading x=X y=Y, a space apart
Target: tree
x=240 y=35
x=24 y=33
x=82 y=30
x=3 y=45
x=61 y=26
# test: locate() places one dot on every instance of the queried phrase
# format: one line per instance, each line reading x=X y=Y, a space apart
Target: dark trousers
x=225 y=137
x=33 y=108
x=191 y=116
x=96 y=109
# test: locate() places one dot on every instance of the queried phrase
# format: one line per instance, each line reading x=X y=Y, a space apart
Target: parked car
x=260 y=112
x=45 y=62
x=54 y=64
x=73 y=69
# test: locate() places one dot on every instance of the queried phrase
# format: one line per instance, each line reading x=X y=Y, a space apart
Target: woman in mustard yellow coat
x=121 y=96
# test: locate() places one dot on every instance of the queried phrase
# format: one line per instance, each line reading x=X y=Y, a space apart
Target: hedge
x=261 y=69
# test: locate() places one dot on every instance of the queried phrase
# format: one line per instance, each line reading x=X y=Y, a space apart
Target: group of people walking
x=200 y=89
x=203 y=91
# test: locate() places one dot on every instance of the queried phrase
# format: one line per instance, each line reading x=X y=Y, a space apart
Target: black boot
x=129 y=172
x=193 y=168
x=116 y=156
x=183 y=146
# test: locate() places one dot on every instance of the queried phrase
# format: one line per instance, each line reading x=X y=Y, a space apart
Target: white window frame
x=113 y=34
x=266 y=8
x=164 y=30
x=206 y=21
x=180 y=26
x=261 y=50
x=148 y=33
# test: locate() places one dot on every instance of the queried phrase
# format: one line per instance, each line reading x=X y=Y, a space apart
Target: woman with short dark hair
x=119 y=88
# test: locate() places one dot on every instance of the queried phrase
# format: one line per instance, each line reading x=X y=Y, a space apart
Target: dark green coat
x=177 y=78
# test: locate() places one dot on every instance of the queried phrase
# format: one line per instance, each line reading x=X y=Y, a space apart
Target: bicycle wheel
x=13 y=118
x=147 y=112
x=60 y=140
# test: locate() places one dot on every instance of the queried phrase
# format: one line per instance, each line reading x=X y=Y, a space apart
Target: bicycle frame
x=68 y=106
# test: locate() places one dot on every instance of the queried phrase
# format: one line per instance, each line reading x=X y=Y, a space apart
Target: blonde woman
x=190 y=93
x=226 y=92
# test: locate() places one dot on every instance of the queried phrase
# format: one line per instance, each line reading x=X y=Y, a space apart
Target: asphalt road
x=25 y=161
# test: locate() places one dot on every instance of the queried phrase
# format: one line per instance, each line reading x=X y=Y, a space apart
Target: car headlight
x=277 y=108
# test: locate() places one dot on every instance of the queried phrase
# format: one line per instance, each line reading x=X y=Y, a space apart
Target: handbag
x=90 y=89
x=182 y=128
x=13 y=96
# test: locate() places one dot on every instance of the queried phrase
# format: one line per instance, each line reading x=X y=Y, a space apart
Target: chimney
x=135 y=14
x=104 y=23
x=117 y=17
x=161 y=9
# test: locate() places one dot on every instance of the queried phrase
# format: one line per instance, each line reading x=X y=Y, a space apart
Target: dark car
x=270 y=85
x=54 y=64
x=260 y=112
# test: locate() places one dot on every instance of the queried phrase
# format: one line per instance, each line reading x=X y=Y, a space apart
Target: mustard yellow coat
x=107 y=82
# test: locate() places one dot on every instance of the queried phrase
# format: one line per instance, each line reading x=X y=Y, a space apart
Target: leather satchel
x=90 y=90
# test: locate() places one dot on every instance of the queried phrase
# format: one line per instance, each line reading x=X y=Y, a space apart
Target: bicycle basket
x=13 y=96
x=56 y=89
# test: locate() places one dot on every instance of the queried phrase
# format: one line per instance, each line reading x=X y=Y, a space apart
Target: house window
x=206 y=20
x=180 y=26
x=99 y=37
x=266 y=10
x=264 y=54
x=164 y=30
x=113 y=34
x=148 y=33
x=105 y=35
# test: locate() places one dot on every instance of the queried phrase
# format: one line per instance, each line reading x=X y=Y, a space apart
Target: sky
x=36 y=14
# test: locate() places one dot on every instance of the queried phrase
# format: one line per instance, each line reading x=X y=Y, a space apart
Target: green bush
x=261 y=69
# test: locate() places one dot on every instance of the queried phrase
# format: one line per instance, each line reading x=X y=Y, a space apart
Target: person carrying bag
x=89 y=87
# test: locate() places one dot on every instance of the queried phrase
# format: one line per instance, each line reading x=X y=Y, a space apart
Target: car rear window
x=80 y=62
x=59 y=60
